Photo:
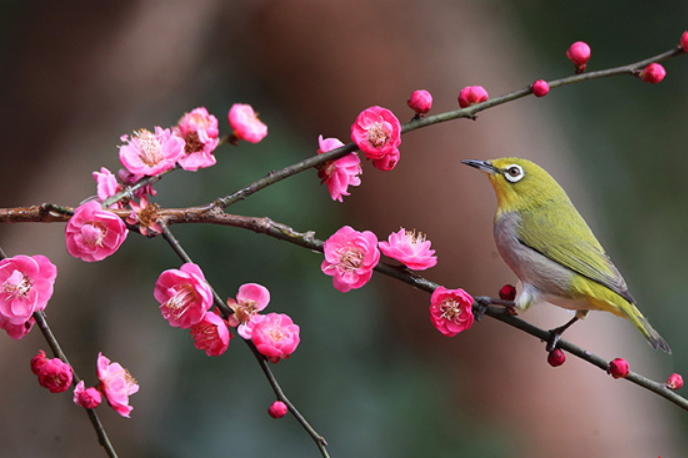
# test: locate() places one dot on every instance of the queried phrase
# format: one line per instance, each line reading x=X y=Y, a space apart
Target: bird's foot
x=555 y=334
x=484 y=302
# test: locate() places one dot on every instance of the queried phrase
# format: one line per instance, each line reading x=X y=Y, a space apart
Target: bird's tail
x=639 y=321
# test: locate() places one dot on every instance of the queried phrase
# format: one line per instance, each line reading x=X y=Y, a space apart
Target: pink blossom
x=377 y=132
x=16 y=331
x=618 y=368
x=409 y=248
x=684 y=41
x=674 y=382
x=38 y=361
x=540 y=88
x=472 y=95
x=450 y=310
x=117 y=384
x=350 y=257
x=420 y=101
x=94 y=233
x=387 y=162
x=579 y=54
x=251 y=299
x=145 y=215
x=55 y=375
x=276 y=336
x=340 y=173
x=211 y=334
x=653 y=73
x=26 y=285
x=89 y=398
x=245 y=123
x=200 y=133
x=150 y=154
x=107 y=186
x=278 y=409
x=184 y=295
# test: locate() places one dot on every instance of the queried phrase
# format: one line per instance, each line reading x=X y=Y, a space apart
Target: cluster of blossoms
x=116 y=383
x=186 y=298
x=351 y=256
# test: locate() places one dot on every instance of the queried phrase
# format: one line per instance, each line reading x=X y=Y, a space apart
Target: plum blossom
x=38 y=361
x=410 y=248
x=276 y=336
x=472 y=95
x=251 y=299
x=148 y=153
x=26 y=285
x=420 y=101
x=388 y=162
x=107 y=186
x=340 y=173
x=145 y=214
x=184 y=295
x=684 y=41
x=89 y=398
x=377 y=132
x=350 y=257
x=54 y=374
x=117 y=384
x=94 y=233
x=211 y=334
x=451 y=310
x=200 y=133
x=245 y=123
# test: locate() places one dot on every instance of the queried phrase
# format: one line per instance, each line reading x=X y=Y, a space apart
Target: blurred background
x=372 y=375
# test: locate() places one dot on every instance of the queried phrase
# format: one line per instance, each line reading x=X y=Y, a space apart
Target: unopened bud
x=472 y=95
x=420 y=101
x=556 y=358
x=278 y=409
x=507 y=293
x=579 y=54
x=618 y=368
x=540 y=88
x=674 y=382
x=653 y=73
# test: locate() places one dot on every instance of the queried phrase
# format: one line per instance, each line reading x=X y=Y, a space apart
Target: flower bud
x=556 y=358
x=278 y=409
x=420 y=101
x=579 y=54
x=674 y=382
x=471 y=95
x=653 y=73
x=684 y=41
x=618 y=368
x=38 y=361
x=55 y=375
x=507 y=293
x=540 y=88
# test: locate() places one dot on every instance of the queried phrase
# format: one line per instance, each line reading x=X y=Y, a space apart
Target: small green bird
x=550 y=248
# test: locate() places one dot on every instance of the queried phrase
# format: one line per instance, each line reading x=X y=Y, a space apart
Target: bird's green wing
x=562 y=235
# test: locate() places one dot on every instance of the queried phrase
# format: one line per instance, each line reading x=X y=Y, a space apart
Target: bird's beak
x=485 y=166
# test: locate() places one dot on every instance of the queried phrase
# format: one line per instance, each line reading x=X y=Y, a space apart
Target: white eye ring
x=514 y=173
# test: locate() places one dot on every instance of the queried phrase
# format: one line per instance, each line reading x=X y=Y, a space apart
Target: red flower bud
x=556 y=358
x=540 y=88
x=674 y=382
x=579 y=53
x=472 y=95
x=420 y=101
x=684 y=41
x=507 y=293
x=618 y=368
x=278 y=409
x=653 y=73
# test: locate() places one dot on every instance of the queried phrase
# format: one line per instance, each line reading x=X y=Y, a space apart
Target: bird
x=551 y=249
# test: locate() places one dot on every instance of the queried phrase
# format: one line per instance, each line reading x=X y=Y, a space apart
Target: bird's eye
x=514 y=173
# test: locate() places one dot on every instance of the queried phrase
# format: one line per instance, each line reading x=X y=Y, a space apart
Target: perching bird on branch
x=550 y=248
